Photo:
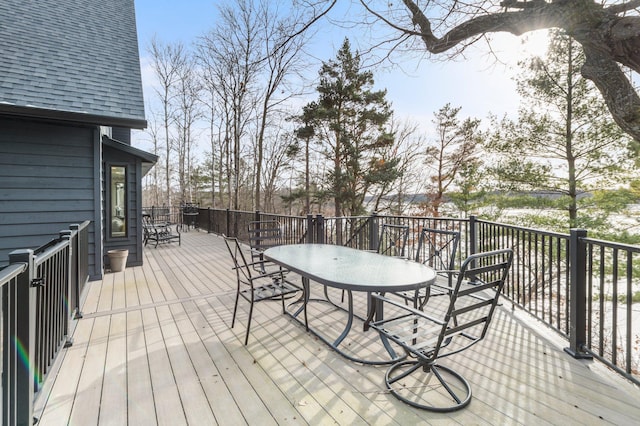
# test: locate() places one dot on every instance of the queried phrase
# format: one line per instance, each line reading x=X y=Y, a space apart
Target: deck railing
x=41 y=291
x=611 y=280
x=580 y=287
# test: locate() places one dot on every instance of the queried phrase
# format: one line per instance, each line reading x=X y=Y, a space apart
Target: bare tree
x=232 y=52
x=168 y=59
x=407 y=152
x=187 y=100
x=217 y=97
x=275 y=155
x=455 y=145
x=281 y=59
x=153 y=129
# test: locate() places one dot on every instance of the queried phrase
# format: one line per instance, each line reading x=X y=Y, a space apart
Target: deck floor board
x=155 y=347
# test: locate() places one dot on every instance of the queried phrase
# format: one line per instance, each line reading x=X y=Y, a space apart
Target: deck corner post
x=23 y=341
x=577 y=295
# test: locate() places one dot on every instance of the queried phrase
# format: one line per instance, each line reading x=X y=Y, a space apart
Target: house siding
x=46 y=183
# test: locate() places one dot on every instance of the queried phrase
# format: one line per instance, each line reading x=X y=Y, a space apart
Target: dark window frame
x=110 y=219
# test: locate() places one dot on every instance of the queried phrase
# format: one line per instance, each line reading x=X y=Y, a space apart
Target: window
x=118 y=201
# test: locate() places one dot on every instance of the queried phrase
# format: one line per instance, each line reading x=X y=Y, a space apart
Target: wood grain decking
x=155 y=347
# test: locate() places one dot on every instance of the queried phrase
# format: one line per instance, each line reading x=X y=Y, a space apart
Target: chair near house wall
x=160 y=232
x=437 y=248
x=254 y=286
x=429 y=336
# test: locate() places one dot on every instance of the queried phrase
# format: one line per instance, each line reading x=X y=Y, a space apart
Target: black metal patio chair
x=437 y=248
x=160 y=232
x=393 y=240
x=430 y=335
x=263 y=235
x=256 y=287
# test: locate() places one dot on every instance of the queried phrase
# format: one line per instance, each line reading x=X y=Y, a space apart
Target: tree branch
x=540 y=15
x=624 y=7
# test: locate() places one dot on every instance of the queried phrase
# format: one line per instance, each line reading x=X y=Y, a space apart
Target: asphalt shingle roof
x=73 y=56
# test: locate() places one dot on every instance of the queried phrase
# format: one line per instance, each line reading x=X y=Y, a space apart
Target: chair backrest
x=474 y=299
x=437 y=248
x=393 y=240
x=240 y=264
x=264 y=234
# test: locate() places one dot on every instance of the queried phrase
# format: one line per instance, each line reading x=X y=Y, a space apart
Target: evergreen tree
x=349 y=122
x=564 y=140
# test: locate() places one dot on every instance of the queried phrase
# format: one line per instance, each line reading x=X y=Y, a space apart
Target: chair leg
x=428 y=387
x=282 y=298
x=246 y=337
x=306 y=319
x=235 y=310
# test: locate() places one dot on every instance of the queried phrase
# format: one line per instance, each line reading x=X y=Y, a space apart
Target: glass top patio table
x=351 y=270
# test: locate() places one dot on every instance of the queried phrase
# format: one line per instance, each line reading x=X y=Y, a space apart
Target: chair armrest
x=267 y=263
x=280 y=273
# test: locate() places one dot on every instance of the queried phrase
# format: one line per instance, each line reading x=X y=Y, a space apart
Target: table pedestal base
x=303 y=303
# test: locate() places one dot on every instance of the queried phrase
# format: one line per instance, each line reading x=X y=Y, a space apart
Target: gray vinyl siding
x=47 y=182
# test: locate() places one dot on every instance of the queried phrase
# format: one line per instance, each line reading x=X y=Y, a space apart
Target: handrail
x=50 y=251
x=10 y=272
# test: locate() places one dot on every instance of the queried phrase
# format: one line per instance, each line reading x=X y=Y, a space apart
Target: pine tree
x=349 y=122
x=564 y=140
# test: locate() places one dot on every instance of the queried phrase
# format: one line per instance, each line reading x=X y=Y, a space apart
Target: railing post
x=23 y=341
x=473 y=235
x=208 y=220
x=373 y=231
x=311 y=230
x=257 y=215
x=319 y=229
x=228 y=226
x=74 y=270
x=70 y=284
x=577 y=294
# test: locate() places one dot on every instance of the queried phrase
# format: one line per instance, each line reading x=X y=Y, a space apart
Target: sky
x=478 y=84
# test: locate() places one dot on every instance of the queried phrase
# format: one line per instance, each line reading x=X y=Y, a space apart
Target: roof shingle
x=75 y=56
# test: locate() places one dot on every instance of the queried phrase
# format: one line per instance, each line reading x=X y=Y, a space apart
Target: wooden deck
x=155 y=347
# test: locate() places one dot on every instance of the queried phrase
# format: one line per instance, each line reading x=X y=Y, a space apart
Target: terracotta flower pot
x=118 y=259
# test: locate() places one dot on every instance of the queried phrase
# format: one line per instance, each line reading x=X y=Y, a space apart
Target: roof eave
x=71 y=117
x=148 y=159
